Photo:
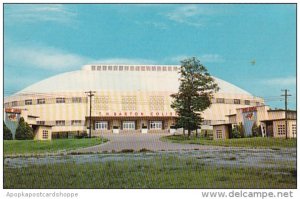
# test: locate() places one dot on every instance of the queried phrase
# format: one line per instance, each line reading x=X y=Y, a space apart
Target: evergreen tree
x=256 y=130
x=194 y=95
x=7 y=135
x=24 y=131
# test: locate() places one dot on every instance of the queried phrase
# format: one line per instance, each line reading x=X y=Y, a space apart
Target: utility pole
x=90 y=94
x=286 y=104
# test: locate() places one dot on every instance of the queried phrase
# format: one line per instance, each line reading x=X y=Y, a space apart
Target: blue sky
x=44 y=40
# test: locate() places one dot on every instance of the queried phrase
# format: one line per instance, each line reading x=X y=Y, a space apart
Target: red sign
x=13 y=110
x=249 y=109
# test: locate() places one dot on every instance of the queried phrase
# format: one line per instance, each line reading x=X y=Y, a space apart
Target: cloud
x=54 y=59
x=206 y=58
x=282 y=81
x=158 y=25
x=28 y=13
x=42 y=57
x=188 y=14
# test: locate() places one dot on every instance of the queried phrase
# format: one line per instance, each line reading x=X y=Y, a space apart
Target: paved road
x=119 y=142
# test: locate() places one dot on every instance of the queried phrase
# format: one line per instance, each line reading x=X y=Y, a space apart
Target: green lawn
x=163 y=172
x=19 y=147
x=256 y=142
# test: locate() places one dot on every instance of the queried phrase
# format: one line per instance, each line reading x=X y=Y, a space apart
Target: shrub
x=82 y=135
x=7 y=135
x=24 y=131
x=256 y=130
x=236 y=133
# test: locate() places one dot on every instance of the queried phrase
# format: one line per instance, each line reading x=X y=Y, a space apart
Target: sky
x=250 y=45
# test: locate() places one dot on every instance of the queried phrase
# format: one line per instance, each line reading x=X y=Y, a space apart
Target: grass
x=160 y=172
x=254 y=142
x=21 y=147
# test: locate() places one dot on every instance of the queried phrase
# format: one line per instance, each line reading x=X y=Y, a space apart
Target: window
x=294 y=129
x=14 y=103
x=45 y=134
x=101 y=103
x=158 y=68
x=6 y=105
x=28 y=102
x=120 y=68
x=281 y=129
x=156 y=103
x=148 y=68
x=164 y=68
x=126 y=67
x=109 y=68
x=220 y=100
x=219 y=134
x=247 y=102
x=41 y=101
x=101 y=125
x=76 y=99
x=153 y=68
x=98 y=67
x=257 y=103
x=206 y=122
x=60 y=100
x=131 y=68
x=40 y=122
x=93 y=67
x=128 y=125
x=137 y=68
x=175 y=68
x=156 y=125
x=129 y=103
x=75 y=122
x=143 y=68
x=115 y=67
x=60 y=122
x=237 y=101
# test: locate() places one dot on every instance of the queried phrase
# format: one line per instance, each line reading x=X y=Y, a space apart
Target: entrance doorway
x=101 y=125
x=129 y=125
x=156 y=125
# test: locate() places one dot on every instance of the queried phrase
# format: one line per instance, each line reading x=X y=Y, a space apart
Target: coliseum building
x=134 y=98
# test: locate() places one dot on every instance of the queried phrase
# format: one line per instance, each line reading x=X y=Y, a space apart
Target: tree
x=194 y=95
x=24 y=131
x=7 y=135
x=256 y=130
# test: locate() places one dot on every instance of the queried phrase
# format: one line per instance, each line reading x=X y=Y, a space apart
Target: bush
x=82 y=135
x=256 y=130
x=236 y=133
x=24 y=131
x=7 y=135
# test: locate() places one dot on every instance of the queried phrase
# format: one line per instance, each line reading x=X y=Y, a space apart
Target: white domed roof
x=119 y=80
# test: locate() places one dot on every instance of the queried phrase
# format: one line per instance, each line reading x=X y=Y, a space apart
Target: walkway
x=119 y=142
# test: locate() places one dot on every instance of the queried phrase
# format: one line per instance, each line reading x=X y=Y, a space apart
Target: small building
x=271 y=123
x=40 y=131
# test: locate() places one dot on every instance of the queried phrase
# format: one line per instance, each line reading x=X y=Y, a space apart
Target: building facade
x=125 y=98
x=270 y=122
x=12 y=117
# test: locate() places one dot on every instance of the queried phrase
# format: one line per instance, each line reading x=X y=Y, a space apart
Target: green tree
x=194 y=95
x=7 y=135
x=256 y=130
x=24 y=131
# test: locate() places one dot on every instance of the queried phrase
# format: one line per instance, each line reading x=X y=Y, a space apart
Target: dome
x=120 y=78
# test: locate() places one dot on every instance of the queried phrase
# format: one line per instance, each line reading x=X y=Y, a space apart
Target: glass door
x=101 y=125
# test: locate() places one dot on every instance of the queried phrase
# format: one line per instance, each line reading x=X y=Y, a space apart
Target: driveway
x=119 y=142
